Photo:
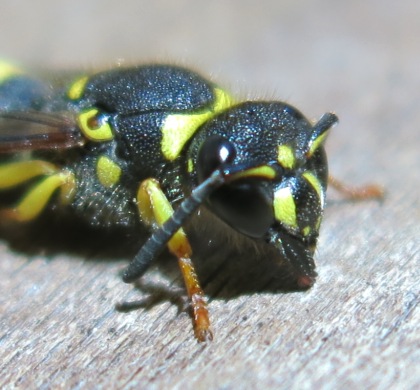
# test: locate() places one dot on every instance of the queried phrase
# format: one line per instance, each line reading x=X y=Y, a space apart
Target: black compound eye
x=214 y=152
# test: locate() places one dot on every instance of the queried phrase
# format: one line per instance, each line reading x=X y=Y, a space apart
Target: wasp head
x=276 y=176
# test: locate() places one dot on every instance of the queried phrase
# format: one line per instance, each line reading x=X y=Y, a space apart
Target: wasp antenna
x=157 y=241
x=327 y=120
x=319 y=132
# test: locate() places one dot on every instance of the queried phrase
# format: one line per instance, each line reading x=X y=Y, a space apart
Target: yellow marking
x=92 y=129
x=155 y=210
x=68 y=188
x=285 y=156
x=306 y=230
x=36 y=199
x=177 y=129
x=76 y=90
x=7 y=71
x=152 y=202
x=315 y=144
x=144 y=204
x=108 y=171
x=263 y=172
x=285 y=207
x=316 y=185
x=15 y=173
x=190 y=166
x=318 y=223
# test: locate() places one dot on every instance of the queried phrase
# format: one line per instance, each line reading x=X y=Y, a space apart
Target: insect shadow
x=224 y=272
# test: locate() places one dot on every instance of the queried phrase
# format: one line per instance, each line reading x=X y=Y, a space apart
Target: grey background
x=358 y=326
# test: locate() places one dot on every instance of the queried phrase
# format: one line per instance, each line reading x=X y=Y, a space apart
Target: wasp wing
x=34 y=130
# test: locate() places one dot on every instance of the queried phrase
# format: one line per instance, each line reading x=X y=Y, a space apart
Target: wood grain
x=358 y=327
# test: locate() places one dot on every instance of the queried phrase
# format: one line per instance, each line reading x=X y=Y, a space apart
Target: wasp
x=148 y=146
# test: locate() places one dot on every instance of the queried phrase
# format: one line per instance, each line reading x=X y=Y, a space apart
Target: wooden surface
x=358 y=327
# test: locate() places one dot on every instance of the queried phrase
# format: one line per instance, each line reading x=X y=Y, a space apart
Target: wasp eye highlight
x=214 y=152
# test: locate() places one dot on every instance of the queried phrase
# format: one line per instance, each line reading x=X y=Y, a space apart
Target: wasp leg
x=155 y=209
x=16 y=173
x=369 y=191
x=36 y=198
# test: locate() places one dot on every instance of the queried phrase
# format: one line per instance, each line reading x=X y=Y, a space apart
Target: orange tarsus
x=198 y=300
x=369 y=191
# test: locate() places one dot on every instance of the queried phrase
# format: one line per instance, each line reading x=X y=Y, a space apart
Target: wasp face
x=277 y=175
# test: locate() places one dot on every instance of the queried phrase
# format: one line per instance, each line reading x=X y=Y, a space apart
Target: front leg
x=155 y=209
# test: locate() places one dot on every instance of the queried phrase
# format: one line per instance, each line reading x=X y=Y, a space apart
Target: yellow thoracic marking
x=316 y=185
x=315 y=144
x=16 y=173
x=177 y=129
x=190 y=166
x=263 y=172
x=7 y=71
x=107 y=171
x=286 y=156
x=285 y=207
x=76 y=90
x=94 y=129
x=38 y=196
x=155 y=209
x=306 y=230
x=318 y=223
